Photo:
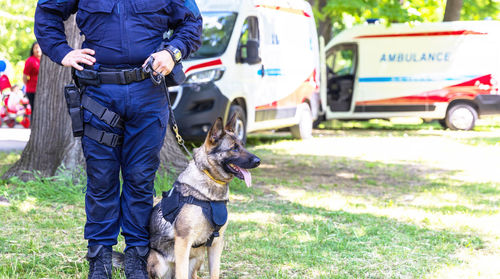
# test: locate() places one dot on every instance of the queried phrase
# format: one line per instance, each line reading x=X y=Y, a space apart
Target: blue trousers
x=143 y=107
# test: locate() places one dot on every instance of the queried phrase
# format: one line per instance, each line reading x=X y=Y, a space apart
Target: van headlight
x=205 y=76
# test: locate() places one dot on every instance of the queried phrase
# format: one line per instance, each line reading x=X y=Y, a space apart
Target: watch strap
x=174 y=52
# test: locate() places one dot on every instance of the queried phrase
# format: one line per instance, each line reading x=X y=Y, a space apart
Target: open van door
x=341 y=66
x=250 y=69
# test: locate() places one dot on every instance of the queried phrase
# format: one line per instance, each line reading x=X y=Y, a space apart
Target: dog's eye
x=236 y=148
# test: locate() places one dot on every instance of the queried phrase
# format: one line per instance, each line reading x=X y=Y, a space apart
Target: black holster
x=73 y=101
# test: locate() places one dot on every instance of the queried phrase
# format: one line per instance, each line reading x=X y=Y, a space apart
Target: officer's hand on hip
x=76 y=56
x=163 y=62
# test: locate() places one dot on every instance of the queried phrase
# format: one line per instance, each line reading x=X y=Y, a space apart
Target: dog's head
x=226 y=153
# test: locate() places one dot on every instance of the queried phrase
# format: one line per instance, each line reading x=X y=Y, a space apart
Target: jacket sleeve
x=49 y=27
x=186 y=23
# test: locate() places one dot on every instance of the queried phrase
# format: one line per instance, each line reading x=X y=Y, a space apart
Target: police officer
x=125 y=114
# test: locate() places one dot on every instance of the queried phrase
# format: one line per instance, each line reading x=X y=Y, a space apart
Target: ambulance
x=258 y=60
x=436 y=71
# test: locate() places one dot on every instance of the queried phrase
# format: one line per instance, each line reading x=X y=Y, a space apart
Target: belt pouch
x=176 y=77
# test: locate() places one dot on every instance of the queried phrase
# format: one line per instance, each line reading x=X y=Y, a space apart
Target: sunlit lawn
x=350 y=203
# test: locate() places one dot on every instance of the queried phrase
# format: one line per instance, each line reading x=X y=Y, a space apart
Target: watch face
x=177 y=54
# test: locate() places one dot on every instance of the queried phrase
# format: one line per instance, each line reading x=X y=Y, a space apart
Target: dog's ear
x=215 y=133
x=231 y=124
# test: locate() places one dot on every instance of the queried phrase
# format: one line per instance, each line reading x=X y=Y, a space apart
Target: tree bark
x=52 y=147
x=452 y=10
x=324 y=26
x=51 y=138
x=172 y=159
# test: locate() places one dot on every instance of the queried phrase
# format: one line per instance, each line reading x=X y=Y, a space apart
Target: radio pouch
x=73 y=101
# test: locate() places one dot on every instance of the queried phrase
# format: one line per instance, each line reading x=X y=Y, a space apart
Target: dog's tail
x=118 y=260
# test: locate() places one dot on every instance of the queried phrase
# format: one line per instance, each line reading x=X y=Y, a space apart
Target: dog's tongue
x=247 y=176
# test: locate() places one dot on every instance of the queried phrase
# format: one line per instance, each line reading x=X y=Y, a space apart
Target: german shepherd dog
x=176 y=248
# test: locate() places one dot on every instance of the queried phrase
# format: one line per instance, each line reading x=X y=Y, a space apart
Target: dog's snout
x=255 y=161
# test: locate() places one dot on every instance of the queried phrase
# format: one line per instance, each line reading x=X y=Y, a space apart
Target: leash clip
x=180 y=140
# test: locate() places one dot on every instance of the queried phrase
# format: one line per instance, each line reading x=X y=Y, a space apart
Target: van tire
x=461 y=116
x=241 y=122
x=303 y=130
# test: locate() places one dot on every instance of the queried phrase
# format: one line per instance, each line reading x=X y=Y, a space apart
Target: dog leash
x=160 y=79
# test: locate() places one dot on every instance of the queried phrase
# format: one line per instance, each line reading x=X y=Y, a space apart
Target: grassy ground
x=350 y=203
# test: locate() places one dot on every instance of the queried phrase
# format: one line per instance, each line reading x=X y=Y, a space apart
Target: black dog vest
x=215 y=211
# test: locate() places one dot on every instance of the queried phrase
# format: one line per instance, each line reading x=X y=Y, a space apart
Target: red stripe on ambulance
x=423 y=34
x=204 y=65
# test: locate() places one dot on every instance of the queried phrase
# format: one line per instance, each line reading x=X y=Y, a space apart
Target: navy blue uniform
x=123 y=33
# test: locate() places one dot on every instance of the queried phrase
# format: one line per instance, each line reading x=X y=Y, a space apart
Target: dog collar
x=211 y=177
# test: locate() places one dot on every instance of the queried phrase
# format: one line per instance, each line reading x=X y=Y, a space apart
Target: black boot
x=136 y=259
x=99 y=258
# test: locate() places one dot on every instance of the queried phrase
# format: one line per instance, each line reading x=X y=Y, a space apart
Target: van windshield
x=217 y=29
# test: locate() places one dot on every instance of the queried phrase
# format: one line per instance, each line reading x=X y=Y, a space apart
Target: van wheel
x=240 y=129
x=303 y=130
x=461 y=117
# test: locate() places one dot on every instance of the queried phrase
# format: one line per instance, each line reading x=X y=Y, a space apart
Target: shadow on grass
x=366 y=178
x=305 y=242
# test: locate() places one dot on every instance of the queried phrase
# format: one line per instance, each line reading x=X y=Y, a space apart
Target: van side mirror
x=248 y=53
x=253 y=52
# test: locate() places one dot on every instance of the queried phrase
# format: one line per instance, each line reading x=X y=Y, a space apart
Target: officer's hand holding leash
x=76 y=56
x=162 y=62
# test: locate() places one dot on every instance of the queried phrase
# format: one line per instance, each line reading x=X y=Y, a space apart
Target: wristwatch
x=174 y=52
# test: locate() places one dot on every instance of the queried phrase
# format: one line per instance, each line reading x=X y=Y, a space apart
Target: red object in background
x=10 y=123
x=4 y=83
x=31 y=69
x=25 y=122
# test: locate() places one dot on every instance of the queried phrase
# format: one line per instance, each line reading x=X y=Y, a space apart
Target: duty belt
x=109 y=76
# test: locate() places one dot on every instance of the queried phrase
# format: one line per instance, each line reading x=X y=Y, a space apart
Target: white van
x=446 y=71
x=259 y=59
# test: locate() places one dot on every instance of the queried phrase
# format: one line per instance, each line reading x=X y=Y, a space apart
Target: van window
x=343 y=63
x=217 y=30
x=341 y=60
x=249 y=31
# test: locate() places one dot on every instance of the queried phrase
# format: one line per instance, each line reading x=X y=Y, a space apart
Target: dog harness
x=215 y=211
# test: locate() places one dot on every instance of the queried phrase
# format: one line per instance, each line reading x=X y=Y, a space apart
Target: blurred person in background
x=30 y=73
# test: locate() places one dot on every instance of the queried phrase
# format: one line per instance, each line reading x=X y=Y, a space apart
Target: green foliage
x=16 y=34
x=480 y=9
x=347 y=13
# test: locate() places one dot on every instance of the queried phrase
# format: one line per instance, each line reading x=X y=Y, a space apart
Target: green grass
x=405 y=124
x=311 y=213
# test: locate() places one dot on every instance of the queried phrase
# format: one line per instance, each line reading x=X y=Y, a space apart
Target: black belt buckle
x=109 y=139
x=130 y=76
x=110 y=117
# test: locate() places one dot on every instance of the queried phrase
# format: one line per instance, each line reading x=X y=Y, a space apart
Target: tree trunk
x=453 y=9
x=51 y=138
x=172 y=158
x=51 y=146
x=324 y=26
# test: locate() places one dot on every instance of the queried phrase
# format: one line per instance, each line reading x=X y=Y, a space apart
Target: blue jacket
x=120 y=31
